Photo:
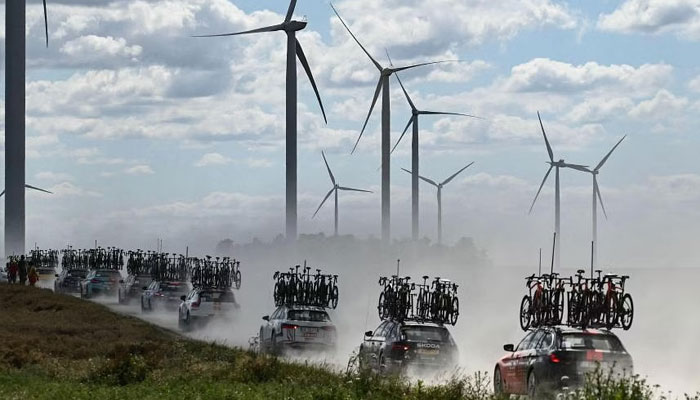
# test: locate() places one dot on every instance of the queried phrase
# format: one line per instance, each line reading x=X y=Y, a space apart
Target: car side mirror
x=266 y=318
x=368 y=333
x=121 y=281
x=145 y=288
x=509 y=348
x=183 y=298
x=56 y=275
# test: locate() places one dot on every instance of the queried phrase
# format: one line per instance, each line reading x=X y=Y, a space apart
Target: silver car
x=297 y=327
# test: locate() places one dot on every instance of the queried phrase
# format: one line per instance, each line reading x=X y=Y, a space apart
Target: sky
x=143 y=132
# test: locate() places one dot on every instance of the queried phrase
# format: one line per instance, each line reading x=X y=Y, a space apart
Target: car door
x=510 y=372
x=374 y=341
x=525 y=358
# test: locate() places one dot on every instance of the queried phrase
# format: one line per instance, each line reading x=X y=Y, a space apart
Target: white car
x=163 y=295
x=204 y=303
x=297 y=327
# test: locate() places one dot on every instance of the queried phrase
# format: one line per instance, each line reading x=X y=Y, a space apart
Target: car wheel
x=143 y=308
x=261 y=342
x=497 y=381
x=382 y=364
x=532 y=385
x=150 y=306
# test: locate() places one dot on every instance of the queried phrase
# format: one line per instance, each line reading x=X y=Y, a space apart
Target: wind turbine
x=555 y=164
x=439 y=187
x=383 y=86
x=336 y=187
x=30 y=187
x=294 y=51
x=597 y=197
x=414 y=151
x=15 y=80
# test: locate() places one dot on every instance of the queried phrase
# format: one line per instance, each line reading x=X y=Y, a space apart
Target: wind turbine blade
x=36 y=188
x=376 y=64
x=324 y=200
x=420 y=65
x=410 y=102
x=305 y=64
x=430 y=181
x=410 y=122
x=456 y=173
x=258 y=30
x=600 y=198
x=371 y=108
x=448 y=113
x=577 y=167
x=3 y=193
x=290 y=11
x=546 y=141
x=540 y=189
x=46 y=24
x=328 y=167
x=602 y=162
x=354 y=190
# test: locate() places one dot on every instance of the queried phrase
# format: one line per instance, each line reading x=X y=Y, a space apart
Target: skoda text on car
x=298 y=328
x=163 y=295
x=100 y=282
x=553 y=358
x=202 y=304
x=132 y=286
x=394 y=347
x=68 y=281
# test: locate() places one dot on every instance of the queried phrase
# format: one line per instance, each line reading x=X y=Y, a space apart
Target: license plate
x=310 y=332
x=428 y=352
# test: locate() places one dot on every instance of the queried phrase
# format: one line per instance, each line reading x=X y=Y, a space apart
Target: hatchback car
x=203 y=304
x=394 y=346
x=299 y=328
x=132 y=286
x=68 y=281
x=100 y=282
x=163 y=295
x=553 y=358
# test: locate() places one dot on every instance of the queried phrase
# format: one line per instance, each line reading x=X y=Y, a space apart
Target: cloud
x=93 y=47
x=69 y=189
x=139 y=170
x=681 y=17
x=54 y=176
x=209 y=159
x=663 y=105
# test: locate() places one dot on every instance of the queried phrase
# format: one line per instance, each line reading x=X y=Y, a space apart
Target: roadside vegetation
x=60 y=347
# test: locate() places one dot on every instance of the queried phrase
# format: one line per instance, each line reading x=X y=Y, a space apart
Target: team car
x=395 y=346
x=556 y=358
x=68 y=281
x=163 y=294
x=202 y=304
x=100 y=282
x=132 y=287
x=298 y=328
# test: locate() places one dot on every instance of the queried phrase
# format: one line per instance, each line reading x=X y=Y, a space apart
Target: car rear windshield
x=173 y=287
x=107 y=274
x=590 y=341
x=308 y=315
x=77 y=273
x=218 y=297
x=425 y=334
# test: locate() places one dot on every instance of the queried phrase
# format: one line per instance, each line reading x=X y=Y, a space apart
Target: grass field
x=61 y=347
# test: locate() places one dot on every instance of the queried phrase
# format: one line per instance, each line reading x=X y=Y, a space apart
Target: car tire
x=261 y=342
x=532 y=391
x=273 y=344
x=143 y=307
x=150 y=306
x=498 y=382
x=382 y=364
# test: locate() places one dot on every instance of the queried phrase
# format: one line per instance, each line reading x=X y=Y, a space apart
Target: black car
x=68 y=281
x=395 y=346
x=553 y=358
x=131 y=287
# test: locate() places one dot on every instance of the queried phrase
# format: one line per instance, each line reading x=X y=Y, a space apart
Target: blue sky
x=144 y=132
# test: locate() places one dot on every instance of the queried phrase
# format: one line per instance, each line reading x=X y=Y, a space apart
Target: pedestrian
x=33 y=276
x=12 y=271
x=22 y=271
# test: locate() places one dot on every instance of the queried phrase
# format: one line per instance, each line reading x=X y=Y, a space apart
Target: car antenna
x=592 y=248
x=398 y=264
x=539 y=273
x=554 y=246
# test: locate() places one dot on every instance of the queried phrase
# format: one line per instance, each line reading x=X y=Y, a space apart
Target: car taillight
x=400 y=347
x=197 y=303
x=94 y=281
x=289 y=326
x=554 y=358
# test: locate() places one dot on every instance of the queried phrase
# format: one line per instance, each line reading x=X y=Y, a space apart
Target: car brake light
x=94 y=281
x=197 y=303
x=289 y=326
x=554 y=358
x=401 y=347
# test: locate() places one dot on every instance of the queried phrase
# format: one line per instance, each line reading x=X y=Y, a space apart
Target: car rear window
x=220 y=297
x=107 y=274
x=308 y=315
x=173 y=288
x=590 y=341
x=425 y=334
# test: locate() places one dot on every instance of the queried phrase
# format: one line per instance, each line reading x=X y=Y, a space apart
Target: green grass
x=60 y=347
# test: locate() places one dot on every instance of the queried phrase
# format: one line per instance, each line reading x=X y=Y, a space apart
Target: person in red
x=33 y=276
x=12 y=271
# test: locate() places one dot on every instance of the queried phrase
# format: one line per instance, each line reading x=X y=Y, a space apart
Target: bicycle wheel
x=626 y=311
x=334 y=297
x=454 y=314
x=525 y=313
x=611 y=311
x=278 y=294
x=237 y=279
x=558 y=306
x=380 y=306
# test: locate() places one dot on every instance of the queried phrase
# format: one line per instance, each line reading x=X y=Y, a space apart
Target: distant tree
x=225 y=247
